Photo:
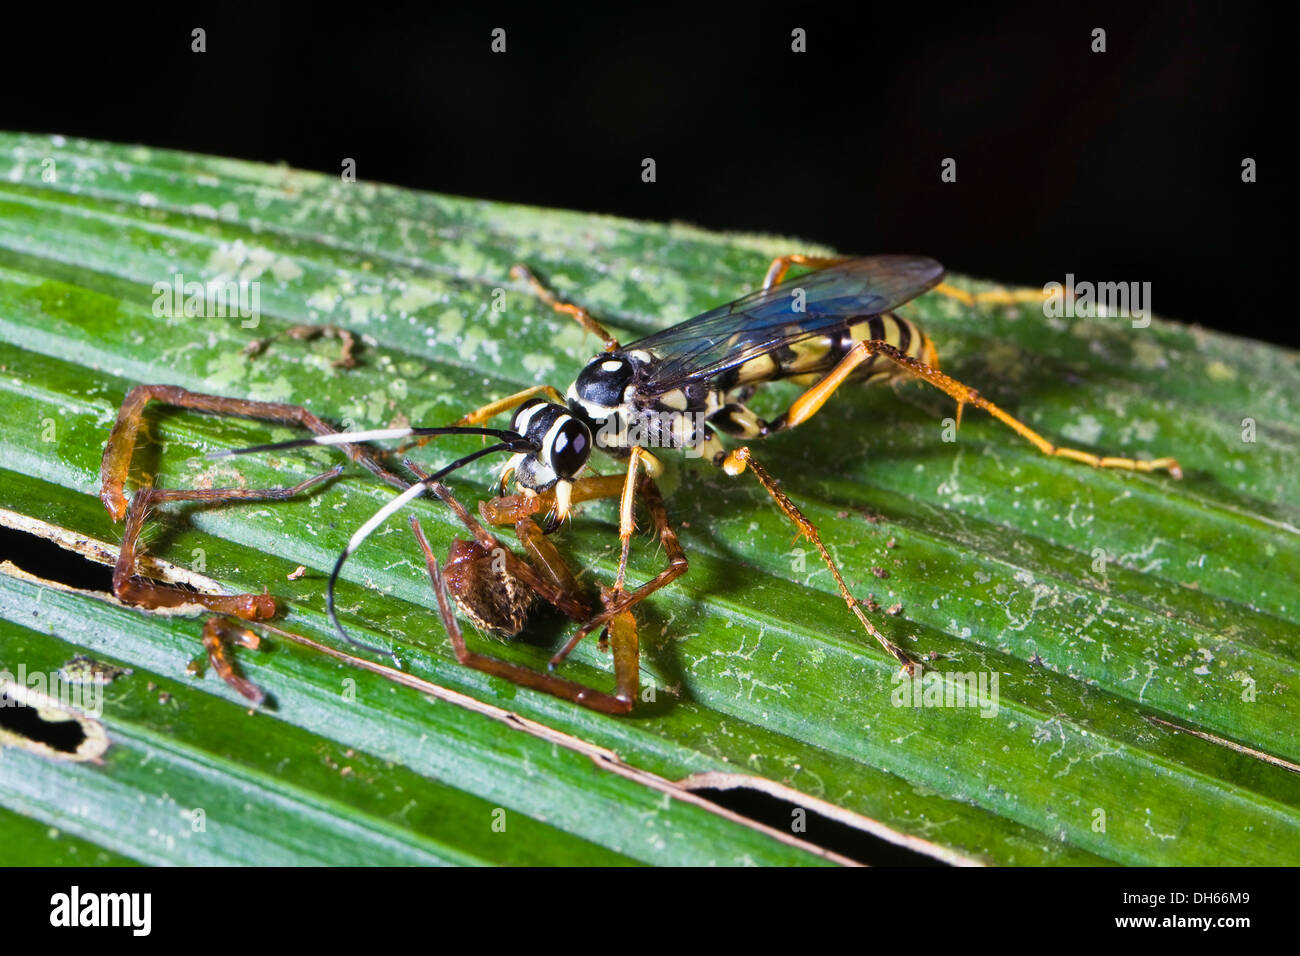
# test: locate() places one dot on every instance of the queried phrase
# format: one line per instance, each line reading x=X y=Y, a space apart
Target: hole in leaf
x=809 y=825
x=36 y=722
x=45 y=559
x=16 y=717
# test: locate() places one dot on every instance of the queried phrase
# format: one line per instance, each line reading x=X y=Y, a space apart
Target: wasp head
x=563 y=446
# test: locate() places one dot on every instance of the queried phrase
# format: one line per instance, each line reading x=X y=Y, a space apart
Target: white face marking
x=526 y=416
x=544 y=473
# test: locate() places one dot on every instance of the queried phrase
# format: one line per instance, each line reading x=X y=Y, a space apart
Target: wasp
x=683 y=387
x=678 y=389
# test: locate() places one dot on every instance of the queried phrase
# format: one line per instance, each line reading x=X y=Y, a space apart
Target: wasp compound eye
x=569 y=448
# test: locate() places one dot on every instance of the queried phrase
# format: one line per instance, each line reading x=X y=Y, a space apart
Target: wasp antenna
x=378 y=518
x=384 y=513
x=374 y=434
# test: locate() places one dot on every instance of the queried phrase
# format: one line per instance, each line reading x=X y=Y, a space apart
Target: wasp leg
x=121 y=441
x=583 y=317
x=736 y=463
x=807 y=405
x=152 y=594
x=781 y=265
x=545 y=574
x=627 y=657
x=626 y=517
x=493 y=409
x=992 y=296
x=618 y=601
x=623 y=635
x=504 y=510
x=509 y=509
x=218 y=635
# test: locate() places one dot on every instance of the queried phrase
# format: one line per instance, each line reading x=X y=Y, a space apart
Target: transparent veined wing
x=701 y=348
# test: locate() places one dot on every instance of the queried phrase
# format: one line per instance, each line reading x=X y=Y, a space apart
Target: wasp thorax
x=600 y=386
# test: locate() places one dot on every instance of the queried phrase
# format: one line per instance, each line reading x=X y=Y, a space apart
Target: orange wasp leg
x=581 y=315
x=492 y=409
x=781 y=265
x=992 y=296
x=741 y=458
x=808 y=404
x=622 y=635
x=507 y=509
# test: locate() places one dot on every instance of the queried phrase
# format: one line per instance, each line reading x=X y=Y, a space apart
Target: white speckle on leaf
x=1148 y=355
x=1087 y=430
x=1217 y=371
x=285 y=269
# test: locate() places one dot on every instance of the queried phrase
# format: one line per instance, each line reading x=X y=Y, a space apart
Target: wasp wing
x=709 y=344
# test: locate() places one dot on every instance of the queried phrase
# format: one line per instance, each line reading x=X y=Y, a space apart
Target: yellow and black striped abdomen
x=807 y=360
x=899 y=332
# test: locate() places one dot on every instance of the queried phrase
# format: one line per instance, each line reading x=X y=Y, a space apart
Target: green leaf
x=1142 y=630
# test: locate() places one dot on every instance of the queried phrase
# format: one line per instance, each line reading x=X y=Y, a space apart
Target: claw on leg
x=218 y=635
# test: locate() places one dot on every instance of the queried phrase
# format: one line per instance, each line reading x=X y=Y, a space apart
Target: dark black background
x=325 y=907
x=1122 y=166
